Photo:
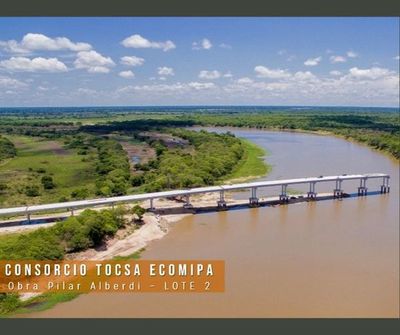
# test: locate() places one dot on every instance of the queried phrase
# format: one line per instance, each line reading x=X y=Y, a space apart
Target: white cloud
x=225 y=46
x=166 y=71
x=126 y=74
x=204 y=74
x=245 y=81
x=93 y=62
x=351 y=54
x=337 y=59
x=335 y=73
x=201 y=86
x=132 y=61
x=397 y=57
x=175 y=89
x=38 y=64
x=312 y=61
x=87 y=91
x=372 y=73
x=33 y=42
x=264 y=72
x=204 y=44
x=139 y=42
x=374 y=86
x=11 y=83
x=228 y=75
x=304 y=76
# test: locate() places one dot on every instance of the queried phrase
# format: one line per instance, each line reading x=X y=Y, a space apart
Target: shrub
x=48 y=182
x=139 y=211
x=80 y=193
x=32 y=191
x=8 y=302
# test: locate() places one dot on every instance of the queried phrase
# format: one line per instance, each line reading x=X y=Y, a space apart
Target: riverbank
x=251 y=166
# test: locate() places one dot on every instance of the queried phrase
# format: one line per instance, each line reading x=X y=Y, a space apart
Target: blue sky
x=199 y=61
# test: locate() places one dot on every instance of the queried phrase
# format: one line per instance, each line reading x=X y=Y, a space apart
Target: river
x=324 y=259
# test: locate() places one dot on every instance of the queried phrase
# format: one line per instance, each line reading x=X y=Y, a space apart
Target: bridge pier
x=187 y=203
x=385 y=188
x=311 y=194
x=253 y=200
x=283 y=196
x=72 y=211
x=362 y=190
x=221 y=202
x=338 y=192
x=152 y=208
x=28 y=216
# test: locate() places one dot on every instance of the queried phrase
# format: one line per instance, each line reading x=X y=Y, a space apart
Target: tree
x=139 y=211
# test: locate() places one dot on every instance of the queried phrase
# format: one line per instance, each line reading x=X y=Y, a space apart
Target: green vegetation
x=11 y=305
x=251 y=164
x=138 y=211
x=88 y=229
x=113 y=169
x=43 y=171
x=206 y=161
x=7 y=148
x=135 y=255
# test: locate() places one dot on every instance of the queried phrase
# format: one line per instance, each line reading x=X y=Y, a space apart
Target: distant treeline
x=137 y=125
x=378 y=130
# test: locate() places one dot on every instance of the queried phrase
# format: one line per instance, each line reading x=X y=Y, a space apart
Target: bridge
x=186 y=193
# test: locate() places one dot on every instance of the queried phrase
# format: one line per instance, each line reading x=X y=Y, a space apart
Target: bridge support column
x=385 y=188
x=362 y=190
x=187 y=203
x=283 y=196
x=338 y=192
x=221 y=202
x=311 y=194
x=152 y=208
x=28 y=216
x=72 y=211
x=253 y=200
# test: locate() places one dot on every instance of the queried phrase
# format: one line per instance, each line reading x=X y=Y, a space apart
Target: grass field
x=251 y=165
x=35 y=158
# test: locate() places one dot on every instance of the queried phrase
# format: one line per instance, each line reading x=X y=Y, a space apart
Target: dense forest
x=206 y=161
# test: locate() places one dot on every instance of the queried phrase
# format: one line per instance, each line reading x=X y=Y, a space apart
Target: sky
x=199 y=61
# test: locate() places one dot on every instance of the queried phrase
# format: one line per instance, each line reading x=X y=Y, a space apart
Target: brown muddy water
x=325 y=259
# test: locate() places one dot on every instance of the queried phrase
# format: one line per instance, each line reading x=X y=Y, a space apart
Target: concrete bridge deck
x=186 y=193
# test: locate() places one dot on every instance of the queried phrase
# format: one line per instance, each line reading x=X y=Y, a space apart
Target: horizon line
x=202 y=106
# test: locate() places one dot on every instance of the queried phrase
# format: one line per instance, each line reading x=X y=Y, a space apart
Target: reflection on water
x=326 y=259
